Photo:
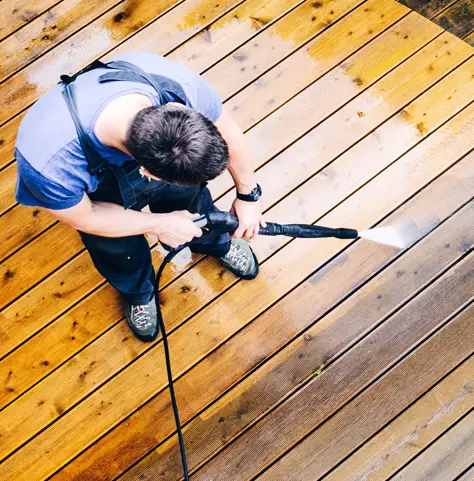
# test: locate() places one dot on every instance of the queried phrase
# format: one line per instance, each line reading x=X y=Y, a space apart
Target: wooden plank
x=325 y=394
x=381 y=402
x=203 y=294
x=226 y=34
x=19 y=226
x=7 y=187
x=467 y=476
x=16 y=13
x=237 y=306
x=448 y=457
x=428 y=8
x=470 y=38
x=48 y=30
x=24 y=269
x=327 y=287
x=335 y=332
x=365 y=22
x=7 y=140
x=413 y=431
x=445 y=63
x=457 y=19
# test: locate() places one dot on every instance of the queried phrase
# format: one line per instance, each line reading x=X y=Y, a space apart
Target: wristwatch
x=252 y=197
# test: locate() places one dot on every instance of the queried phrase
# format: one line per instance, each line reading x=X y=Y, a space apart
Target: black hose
x=169 y=372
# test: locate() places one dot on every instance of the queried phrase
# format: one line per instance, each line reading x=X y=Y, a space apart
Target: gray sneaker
x=241 y=260
x=143 y=321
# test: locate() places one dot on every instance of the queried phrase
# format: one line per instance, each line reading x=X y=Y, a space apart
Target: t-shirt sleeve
x=34 y=189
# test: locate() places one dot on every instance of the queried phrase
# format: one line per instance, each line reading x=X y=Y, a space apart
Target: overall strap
x=95 y=162
x=166 y=85
x=131 y=68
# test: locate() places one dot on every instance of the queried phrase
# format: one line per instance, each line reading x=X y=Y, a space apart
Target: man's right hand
x=176 y=228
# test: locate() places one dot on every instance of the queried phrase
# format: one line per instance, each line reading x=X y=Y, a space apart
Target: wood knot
x=8 y=275
x=121 y=16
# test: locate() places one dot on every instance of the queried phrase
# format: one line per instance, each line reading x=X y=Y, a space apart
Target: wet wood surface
x=345 y=103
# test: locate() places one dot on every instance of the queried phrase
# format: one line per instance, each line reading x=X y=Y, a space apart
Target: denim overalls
x=125 y=262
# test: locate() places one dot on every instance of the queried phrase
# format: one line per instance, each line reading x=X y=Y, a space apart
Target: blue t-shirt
x=52 y=168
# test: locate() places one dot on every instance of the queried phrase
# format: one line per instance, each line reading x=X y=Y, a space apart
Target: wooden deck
x=343 y=360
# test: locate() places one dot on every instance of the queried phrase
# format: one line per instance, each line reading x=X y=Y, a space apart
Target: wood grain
x=413 y=431
x=448 y=457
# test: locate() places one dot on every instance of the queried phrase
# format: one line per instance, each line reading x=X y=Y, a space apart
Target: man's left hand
x=250 y=218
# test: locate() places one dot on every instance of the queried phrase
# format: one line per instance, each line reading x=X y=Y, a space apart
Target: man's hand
x=176 y=228
x=250 y=218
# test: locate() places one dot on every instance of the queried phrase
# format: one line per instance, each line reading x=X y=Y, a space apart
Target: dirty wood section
x=343 y=360
x=455 y=16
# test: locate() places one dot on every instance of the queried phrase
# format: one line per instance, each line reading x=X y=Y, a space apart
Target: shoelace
x=237 y=257
x=141 y=316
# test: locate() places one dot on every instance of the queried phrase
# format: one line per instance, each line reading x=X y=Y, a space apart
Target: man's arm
x=111 y=220
x=242 y=172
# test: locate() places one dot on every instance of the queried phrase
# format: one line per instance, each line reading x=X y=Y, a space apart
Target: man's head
x=177 y=144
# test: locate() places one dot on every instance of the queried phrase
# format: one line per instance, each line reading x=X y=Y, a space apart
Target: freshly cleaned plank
x=336 y=331
x=325 y=394
x=48 y=30
x=413 y=431
x=20 y=225
x=237 y=306
x=28 y=266
x=7 y=187
x=7 y=140
x=448 y=457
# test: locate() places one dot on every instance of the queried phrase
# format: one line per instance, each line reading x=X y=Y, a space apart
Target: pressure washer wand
x=227 y=222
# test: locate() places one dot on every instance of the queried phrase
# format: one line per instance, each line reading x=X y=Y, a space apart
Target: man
x=139 y=131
